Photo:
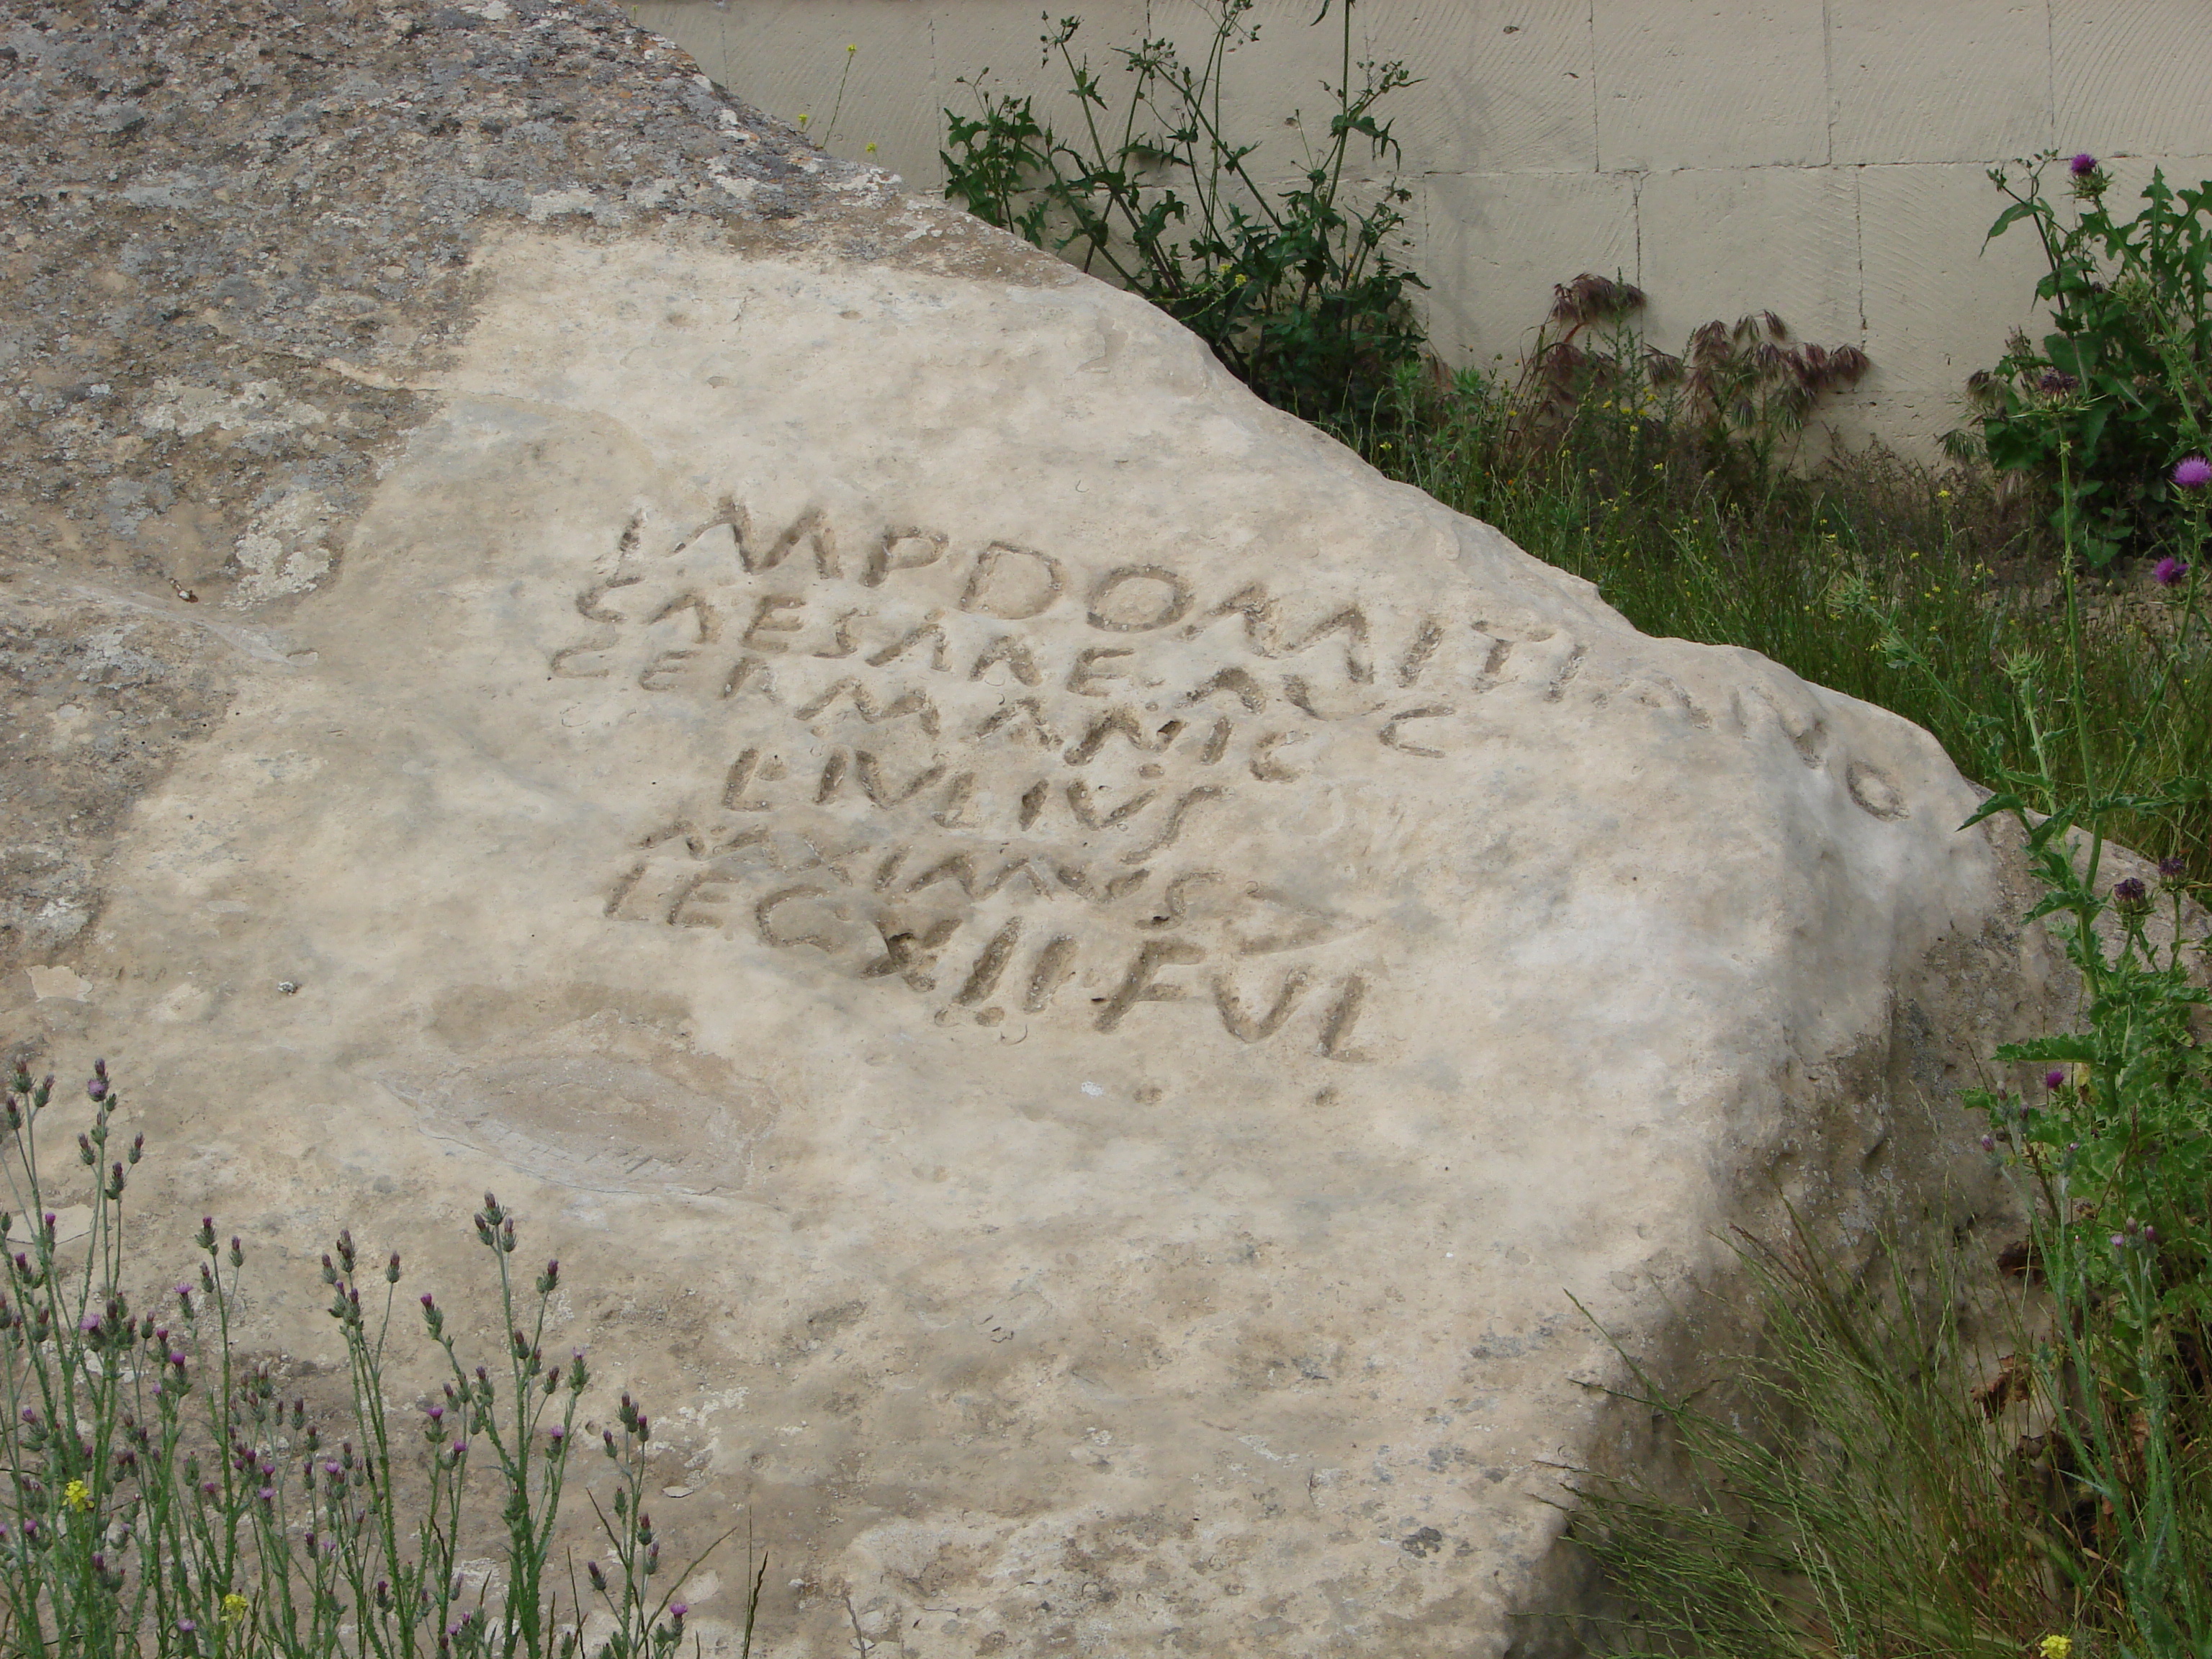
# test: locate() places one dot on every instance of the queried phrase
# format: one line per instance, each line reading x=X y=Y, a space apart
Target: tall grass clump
x=1895 y=1495
x=161 y=1498
x=1680 y=485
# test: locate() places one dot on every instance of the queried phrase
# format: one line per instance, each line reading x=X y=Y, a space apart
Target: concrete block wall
x=1823 y=159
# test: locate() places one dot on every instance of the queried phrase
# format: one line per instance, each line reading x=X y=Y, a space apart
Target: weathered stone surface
x=1077 y=979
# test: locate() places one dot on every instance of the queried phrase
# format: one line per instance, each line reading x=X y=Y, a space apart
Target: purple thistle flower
x=2082 y=164
x=2174 y=869
x=2132 y=898
x=2170 y=571
x=2056 y=381
x=2192 y=473
x=2054 y=1078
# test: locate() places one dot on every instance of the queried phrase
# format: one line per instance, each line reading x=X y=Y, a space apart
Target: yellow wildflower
x=77 y=1496
x=234 y=1608
x=871 y=150
x=1945 y=495
x=2056 y=1647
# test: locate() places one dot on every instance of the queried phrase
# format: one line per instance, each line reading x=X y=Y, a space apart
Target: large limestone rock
x=1077 y=979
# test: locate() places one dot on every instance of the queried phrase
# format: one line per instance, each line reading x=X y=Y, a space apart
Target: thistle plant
x=2098 y=407
x=163 y=1498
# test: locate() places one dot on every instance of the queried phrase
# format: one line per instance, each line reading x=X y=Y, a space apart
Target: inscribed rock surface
x=1076 y=978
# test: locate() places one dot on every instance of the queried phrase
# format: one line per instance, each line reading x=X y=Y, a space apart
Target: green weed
x=1295 y=290
x=158 y=1497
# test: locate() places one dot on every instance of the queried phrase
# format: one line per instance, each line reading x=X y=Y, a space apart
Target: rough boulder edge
x=1076 y=978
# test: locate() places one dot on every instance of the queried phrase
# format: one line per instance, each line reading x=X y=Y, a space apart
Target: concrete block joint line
x=1823 y=159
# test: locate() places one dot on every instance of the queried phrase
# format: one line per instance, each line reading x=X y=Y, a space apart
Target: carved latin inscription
x=980 y=774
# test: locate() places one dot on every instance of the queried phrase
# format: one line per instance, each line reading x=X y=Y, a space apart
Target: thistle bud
x=391 y=1269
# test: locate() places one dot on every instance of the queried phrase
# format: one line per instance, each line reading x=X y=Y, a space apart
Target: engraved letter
x=1020 y=709
x=872 y=781
x=920 y=547
x=811 y=523
x=1009 y=649
x=733 y=787
x=984 y=977
x=1141 y=611
x=1244 y=1027
x=1336 y=1026
x=1416 y=659
x=1139 y=985
x=1266 y=767
x=702 y=615
x=929 y=629
x=1192 y=798
x=1236 y=680
x=764 y=914
x=912 y=956
x=765 y=621
x=1055 y=965
x=1014 y=597
x=557 y=664
x=1086 y=678
x=1391 y=738
x=660 y=674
